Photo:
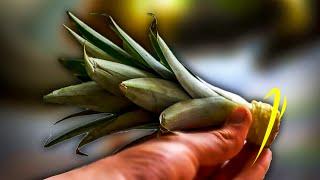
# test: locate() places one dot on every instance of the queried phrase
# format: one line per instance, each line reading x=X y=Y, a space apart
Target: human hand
x=218 y=154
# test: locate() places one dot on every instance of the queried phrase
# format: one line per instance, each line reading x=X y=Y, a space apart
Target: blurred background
x=245 y=46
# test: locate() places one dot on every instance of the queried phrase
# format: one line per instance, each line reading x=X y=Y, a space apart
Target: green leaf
x=226 y=94
x=153 y=94
x=76 y=66
x=140 y=53
x=89 y=95
x=103 y=43
x=124 y=122
x=81 y=113
x=197 y=113
x=92 y=49
x=148 y=131
x=153 y=31
x=110 y=74
x=190 y=83
x=128 y=49
x=81 y=129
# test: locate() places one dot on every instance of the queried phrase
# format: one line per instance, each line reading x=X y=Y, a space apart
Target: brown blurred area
x=246 y=46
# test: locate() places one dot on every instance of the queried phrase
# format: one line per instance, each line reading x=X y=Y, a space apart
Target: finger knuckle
x=228 y=139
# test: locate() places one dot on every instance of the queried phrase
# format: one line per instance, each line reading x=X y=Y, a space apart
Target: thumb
x=220 y=145
x=232 y=136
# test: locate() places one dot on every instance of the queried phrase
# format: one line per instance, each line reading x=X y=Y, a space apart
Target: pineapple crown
x=155 y=84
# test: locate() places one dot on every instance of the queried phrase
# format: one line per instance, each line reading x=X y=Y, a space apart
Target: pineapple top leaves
x=88 y=95
x=110 y=74
x=228 y=95
x=133 y=80
x=141 y=54
x=103 y=43
x=81 y=129
x=189 y=82
x=78 y=114
x=122 y=122
x=94 y=50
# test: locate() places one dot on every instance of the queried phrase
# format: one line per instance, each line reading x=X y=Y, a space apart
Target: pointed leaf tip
x=103 y=43
x=80 y=130
x=154 y=23
x=153 y=32
x=123 y=122
x=80 y=153
x=140 y=53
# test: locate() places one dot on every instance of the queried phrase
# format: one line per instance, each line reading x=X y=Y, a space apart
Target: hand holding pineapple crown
x=134 y=90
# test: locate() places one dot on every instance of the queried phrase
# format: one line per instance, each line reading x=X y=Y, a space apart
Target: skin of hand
x=218 y=154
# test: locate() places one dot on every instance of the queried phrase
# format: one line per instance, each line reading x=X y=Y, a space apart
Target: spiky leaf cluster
x=134 y=90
